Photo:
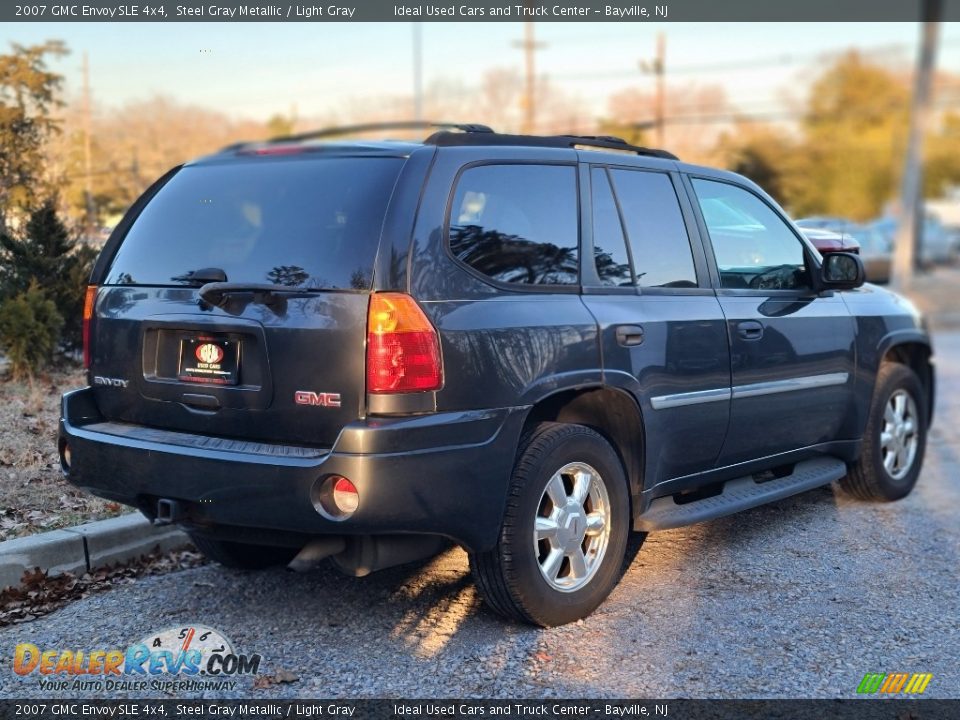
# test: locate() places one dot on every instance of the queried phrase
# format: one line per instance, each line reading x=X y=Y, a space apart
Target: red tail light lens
x=403 y=351
x=89 y=299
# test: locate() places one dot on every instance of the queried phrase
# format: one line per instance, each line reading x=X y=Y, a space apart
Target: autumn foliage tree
x=854 y=132
x=844 y=157
x=29 y=96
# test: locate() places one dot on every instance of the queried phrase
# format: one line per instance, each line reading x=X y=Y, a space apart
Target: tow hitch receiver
x=168 y=511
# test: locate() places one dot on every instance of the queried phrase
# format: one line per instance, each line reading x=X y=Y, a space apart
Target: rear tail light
x=88 y=302
x=403 y=351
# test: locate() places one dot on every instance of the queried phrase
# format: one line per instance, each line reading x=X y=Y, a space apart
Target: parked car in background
x=937 y=244
x=876 y=251
x=824 y=222
x=865 y=242
x=828 y=241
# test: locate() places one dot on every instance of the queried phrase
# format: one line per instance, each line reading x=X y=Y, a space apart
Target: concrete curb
x=86 y=547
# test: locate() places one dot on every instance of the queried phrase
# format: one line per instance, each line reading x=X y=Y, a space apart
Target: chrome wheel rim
x=899 y=437
x=572 y=528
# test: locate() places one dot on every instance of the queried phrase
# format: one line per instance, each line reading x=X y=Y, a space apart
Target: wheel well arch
x=916 y=356
x=612 y=413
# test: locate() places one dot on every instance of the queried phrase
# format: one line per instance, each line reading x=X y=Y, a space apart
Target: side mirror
x=842 y=271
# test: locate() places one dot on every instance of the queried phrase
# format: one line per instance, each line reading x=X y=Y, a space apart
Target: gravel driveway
x=796 y=599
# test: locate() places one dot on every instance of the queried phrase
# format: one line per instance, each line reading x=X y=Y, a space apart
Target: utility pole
x=87 y=172
x=417 y=71
x=657 y=68
x=911 y=189
x=529 y=45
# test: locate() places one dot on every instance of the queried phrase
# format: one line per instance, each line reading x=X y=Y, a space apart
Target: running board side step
x=740 y=494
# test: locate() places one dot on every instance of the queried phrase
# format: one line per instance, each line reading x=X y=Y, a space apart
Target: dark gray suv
x=528 y=346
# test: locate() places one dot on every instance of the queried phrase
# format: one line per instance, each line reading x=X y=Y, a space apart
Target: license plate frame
x=209 y=360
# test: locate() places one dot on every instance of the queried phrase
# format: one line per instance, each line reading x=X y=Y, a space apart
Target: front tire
x=242 y=556
x=564 y=534
x=895 y=438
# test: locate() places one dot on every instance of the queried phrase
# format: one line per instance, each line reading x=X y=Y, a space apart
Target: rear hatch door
x=236 y=304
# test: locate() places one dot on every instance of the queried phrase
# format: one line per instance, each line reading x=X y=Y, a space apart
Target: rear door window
x=659 y=243
x=609 y=243
x=312 y=223
x=517 y=223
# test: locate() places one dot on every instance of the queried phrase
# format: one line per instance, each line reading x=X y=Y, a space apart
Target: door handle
x=629 y=335
x=750 y=330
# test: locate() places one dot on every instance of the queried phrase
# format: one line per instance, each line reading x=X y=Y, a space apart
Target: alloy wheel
x=572 y=527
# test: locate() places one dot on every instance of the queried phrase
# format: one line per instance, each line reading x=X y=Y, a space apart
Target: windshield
x=300 y=223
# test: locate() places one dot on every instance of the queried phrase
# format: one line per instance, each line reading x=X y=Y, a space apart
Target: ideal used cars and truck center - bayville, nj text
x=336 y=11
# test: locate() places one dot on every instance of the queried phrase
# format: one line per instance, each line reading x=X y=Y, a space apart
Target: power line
x=735 y=115
x=761 y=63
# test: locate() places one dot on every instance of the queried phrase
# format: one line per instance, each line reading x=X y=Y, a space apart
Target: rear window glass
x=294 y=222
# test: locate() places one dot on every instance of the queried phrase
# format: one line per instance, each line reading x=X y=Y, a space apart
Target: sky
x=254 y=70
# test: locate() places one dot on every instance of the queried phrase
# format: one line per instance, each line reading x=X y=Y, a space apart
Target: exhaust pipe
x=365 y=554
x=315 y=551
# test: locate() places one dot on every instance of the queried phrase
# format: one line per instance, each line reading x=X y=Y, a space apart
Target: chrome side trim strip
x=696 y=397
x=780 y=386
x=663 y=402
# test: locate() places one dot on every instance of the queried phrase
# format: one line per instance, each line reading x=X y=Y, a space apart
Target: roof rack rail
x=606 y=142
x=336 y=131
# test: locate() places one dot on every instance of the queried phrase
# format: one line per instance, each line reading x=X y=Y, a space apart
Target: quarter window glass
x=517 y=223
x=655 y=228
x=753 y=246
x=609 y=244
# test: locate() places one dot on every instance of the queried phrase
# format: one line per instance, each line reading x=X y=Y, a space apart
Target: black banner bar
x=474 y=10
x=307 y=709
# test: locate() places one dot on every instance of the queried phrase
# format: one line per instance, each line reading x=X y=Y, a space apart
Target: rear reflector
x=66 y=457
x=345 y=496
x=89 y=300
x=335 y=497
x=403 y=351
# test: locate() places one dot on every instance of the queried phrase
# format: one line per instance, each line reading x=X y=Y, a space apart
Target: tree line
x=841 y=155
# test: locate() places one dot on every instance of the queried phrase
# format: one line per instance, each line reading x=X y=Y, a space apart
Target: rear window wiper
x=219 y=293
x=202 y=276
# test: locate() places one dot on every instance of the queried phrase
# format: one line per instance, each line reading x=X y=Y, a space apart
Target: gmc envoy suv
x=528 y=346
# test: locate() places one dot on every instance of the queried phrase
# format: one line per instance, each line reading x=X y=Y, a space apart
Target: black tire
x=509 y=576
x=241 y=555
x=869 y=478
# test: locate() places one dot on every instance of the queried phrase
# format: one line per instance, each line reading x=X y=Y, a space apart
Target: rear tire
x=242 y=556
x=895 y=438
x=564 y=533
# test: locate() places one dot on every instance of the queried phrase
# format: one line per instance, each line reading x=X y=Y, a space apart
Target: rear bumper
x=443 y=474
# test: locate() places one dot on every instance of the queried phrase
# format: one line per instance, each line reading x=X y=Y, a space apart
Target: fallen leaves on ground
x=39 y=594
x=34 y=497
x=262 y=682
x=13 y=520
